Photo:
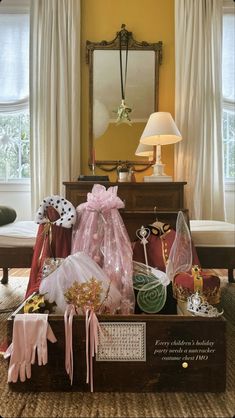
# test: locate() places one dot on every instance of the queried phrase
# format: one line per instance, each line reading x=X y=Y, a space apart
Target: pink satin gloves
x=30 y=335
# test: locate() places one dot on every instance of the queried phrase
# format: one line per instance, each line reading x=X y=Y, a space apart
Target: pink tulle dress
x=100 y=233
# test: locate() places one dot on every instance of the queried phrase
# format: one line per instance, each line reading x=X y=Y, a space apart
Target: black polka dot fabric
x=65 y=209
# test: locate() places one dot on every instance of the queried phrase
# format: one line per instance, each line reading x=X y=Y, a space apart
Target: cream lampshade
x=144 y=150
x=159 y=130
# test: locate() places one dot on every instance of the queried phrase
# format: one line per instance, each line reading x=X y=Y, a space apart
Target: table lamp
x=159 y=130
x=144 y=150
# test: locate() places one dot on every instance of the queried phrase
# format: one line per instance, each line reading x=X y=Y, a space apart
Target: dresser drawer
x=136 y=196
x=156 y=198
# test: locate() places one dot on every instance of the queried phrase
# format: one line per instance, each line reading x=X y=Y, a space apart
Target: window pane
x=14 y=146
x=229 y=56
x=229 y=143
x=14 y=57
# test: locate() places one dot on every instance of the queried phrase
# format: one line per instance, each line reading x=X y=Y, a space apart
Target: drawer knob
x=185 y=364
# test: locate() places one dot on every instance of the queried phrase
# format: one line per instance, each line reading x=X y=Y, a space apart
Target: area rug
x=157 y=405
x=227 y=302
x=11 y=296
x=111 y=405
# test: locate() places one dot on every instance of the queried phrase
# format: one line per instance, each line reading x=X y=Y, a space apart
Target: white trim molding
x=229 y=6
x=229 y=186
x=15 y=6
x=21 y=186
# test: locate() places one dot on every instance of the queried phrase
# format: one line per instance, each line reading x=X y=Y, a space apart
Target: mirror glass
x=112 y=143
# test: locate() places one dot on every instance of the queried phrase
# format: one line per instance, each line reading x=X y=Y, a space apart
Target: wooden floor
x=17 y=272
x=20 y=272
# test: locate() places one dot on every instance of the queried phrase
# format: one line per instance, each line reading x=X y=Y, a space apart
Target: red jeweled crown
x=207 y=285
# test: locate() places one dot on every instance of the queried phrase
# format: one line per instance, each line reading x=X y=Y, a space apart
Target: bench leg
x=231 y=278
x=5 y=276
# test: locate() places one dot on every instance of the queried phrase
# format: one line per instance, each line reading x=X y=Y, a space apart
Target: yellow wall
x=149 y=20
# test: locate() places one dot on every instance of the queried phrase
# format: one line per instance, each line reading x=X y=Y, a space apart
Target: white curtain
x=198 y=105
x=14 y=66
x=54 y=96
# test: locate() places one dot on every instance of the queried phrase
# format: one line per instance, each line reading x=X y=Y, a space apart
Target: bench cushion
x=212 y=233
x=18 y=234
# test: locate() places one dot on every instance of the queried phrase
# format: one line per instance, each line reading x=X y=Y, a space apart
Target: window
x=228 y=62
x=14 y=95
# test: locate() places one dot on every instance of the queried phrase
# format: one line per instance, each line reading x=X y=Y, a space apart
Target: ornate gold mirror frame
x=107 y=54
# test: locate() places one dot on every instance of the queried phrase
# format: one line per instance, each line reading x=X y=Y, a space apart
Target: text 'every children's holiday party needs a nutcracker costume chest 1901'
x=144 y=353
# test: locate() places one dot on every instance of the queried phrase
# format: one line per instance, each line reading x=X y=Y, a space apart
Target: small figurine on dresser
x=100 y=233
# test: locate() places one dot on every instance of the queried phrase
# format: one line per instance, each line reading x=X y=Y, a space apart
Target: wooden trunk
x=168 y=353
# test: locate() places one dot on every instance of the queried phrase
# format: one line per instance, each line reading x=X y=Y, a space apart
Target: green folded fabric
x=7 y=215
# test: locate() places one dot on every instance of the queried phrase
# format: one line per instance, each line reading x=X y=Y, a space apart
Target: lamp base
x=158 y=172
x=155 y=178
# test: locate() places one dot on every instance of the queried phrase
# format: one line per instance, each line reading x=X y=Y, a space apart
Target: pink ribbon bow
x=102 y=200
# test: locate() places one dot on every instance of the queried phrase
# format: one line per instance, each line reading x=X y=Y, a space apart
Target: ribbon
x=92 y=341
x=68 y=326
x=47 y=231
x=123 y=110
x=123 y=81
x=100 y=214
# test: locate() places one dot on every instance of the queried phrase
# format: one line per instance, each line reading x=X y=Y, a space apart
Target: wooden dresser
x=136 y=196
x=143 y=201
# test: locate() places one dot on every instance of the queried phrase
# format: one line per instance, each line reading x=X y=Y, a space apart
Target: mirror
x=121 y=69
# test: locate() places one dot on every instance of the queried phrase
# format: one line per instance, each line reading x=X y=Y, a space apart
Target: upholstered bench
x=215 y=244
x=17 y=240
x=214 y=241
